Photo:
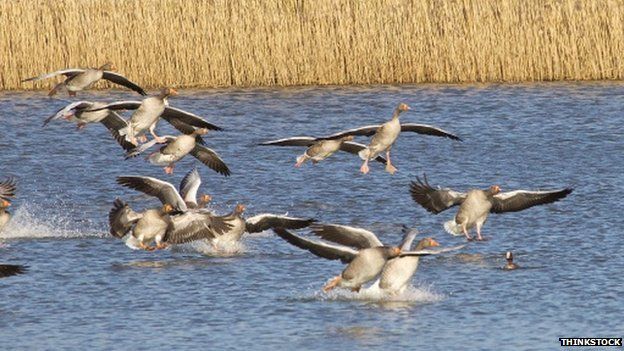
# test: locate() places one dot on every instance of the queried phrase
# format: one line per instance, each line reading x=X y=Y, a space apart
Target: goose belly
x=147 y=229
x=84 y=80
x=365 y=267
x=323 y=150
x=236 y=232
x=473 y=210
x=160 y=159
x=146 y=115
x=397 y=273
x=384 y=138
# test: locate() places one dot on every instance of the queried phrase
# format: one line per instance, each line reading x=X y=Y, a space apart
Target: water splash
x=31 y=221
x=209 y=248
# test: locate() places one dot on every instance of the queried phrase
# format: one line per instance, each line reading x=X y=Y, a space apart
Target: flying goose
x=510 y=263
x=79 y=112
x=7 y=270
x=7 y=192
x=148 y=226
x=178 y=147
x=385 y=135
x=475 y=205
x=148 y=112
x=79 y=79
x=318 y=150
x=360 y=249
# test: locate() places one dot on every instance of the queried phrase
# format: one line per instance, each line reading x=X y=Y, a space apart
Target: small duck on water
x=510 y=264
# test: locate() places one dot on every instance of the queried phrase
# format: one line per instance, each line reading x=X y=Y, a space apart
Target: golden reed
x=214 y=43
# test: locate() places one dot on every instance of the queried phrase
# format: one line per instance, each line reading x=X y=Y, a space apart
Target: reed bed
x=193 y=43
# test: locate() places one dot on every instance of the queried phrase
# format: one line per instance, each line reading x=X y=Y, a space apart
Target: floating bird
x=7 y=270
x=79 y=112
x=360 y=249
x=385 y=135
x=176 y=148
x=79 y=79
x=510 y=263
x=475 y=205
x=148 y=112
x=7 y=192
x=319 y=149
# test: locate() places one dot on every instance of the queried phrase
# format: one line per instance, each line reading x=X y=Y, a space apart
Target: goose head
x=240 y=209
x=4 y=204
x=426 y=242
x=402 y=107
x=204 y=200
x=167 y=208
x=166 y=92
x=200 y=131
x=392 y=252
x=108 y=66
x=494 y=189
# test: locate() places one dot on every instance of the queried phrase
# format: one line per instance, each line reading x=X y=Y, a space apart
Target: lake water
x=87 y=290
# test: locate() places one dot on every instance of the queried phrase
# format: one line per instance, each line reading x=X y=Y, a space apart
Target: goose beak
x=5 y=203
x=173 y=92
x=434 y=243
x=396 y=251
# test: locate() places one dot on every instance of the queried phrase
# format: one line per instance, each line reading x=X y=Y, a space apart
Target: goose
x=79 y=79
x=79 y=112
x=7 y=192
x=475 y=205
x=148 y=226
x=148 y=112
x=385 y=135
x=510 y=263
x=318 y=150
x=360 y=249
x=7 y=270
x=177 y=147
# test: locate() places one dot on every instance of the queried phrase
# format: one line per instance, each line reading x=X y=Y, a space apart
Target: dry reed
x=193 y=43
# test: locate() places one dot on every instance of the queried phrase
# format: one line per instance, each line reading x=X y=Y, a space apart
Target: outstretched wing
x=522 y=199
x=121 y=80
x=427 y=130
x=7 y=188
x=189 y=186
x=265 y=221
x=434 y=200
x=7 y=270
x=355 y=148
x=328 y=251
x=366 y=130
x=121 y=218
x=68 y=72
x=119 y=105
x=346 y=235
x=114 y=122
x=294 y=141
x=194 y=225
x=173 y=115
x=69 y=109
x=136 y=151
x=211 y=159
x=164 y=191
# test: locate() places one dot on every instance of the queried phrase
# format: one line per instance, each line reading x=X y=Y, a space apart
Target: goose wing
x=265 y=221
x=164 y=191
x=189 y=186
x=194 y=225
x=434 y=200
x=121 y=80
x=211 y=159
x=121 y=218
x=294 y=141
x=175 y=115
x=7 y=270
x=408 y=238
x=119 y=105
x=68 y=72
x=7 y=188
x=355 y=148
x=366 y=131
x=69 y=109
x=428 y=252
x=346 y=235
x=114 y=122
x=324 y=250
x=522 y=199
x=428 y=130
x=137 y=150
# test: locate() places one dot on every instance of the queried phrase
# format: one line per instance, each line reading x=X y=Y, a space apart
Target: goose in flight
x=79 y=112
x=320 y=149
x=176 y=148
x=78 y=79
x=475 y=205
x=149 y=111
x=7 y=192
x=151 y=225
x=361 y=250
x=385 y=135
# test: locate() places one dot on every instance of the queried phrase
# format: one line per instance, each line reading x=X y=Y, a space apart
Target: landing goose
x=150 y=110
x=385 y=135
x=475 y=205
x=176 y=148
x=318 y=150
x=7 y=270
x=360 y=249
x=79 y=112
x=148 y=226
x=79 y=79
x=7 y=192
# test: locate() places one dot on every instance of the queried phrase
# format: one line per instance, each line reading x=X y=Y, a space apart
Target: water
x=86 y=290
